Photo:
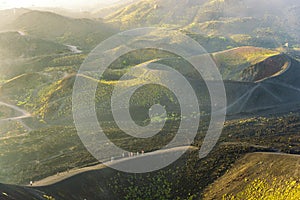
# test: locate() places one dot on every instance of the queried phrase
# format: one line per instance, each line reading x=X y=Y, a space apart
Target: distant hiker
x=143 y=152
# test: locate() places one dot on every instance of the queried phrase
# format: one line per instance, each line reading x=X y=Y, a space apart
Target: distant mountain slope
x=267 y=22
x=85 y=33
x=275 y=169
x=184 y=12
x=37 y=74
x=18 y=44
x=108 y=10
x=148 y=12
x=10 y=15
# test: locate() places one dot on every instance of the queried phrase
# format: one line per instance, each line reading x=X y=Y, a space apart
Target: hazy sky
x=71 y=4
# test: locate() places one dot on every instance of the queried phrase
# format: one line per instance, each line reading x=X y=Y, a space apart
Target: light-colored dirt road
x=128 y=160
x=23 y=115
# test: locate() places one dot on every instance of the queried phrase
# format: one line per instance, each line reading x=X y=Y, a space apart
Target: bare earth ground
x=122 y=162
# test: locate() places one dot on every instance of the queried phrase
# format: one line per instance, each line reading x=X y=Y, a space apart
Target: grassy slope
x=232 y=62
x=55 y=149
x=41 y=153
x=166 y=13
x=6 y=112
x=46 y=151
x=85 y=33
x=49 y=100
x=214 y=17
x=252 y=167
x=53 y=100
x=51 y=64
x=188 y=173
x=14 y=45
x=33 y=150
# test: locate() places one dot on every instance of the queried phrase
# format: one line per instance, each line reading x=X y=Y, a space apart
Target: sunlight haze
x=75 y=4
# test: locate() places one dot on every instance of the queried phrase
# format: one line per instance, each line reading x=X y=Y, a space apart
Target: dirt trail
x=68 y=174
x=73 y=49
x=24 y=115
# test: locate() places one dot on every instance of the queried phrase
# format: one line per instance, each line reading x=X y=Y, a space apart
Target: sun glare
x=6 y=4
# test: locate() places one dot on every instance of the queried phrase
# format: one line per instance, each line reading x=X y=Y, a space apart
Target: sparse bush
x=263 y=189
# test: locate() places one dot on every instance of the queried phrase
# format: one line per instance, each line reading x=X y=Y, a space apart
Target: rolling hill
x=9 y=16
x=31 y=40
x=254 y=43
x=20 y=45
x=218 y=18
x=231 y=170
x=235 y=62
x=85 y=33
x=251 y=75
x=281 y=89
x=260 y=175
x=107 y=10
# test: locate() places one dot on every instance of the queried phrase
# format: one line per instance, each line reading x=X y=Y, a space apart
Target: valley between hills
x=254 y=45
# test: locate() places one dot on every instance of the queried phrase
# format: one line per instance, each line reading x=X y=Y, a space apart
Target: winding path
x=123 y=161
x=242 y=100
x=24 y=115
